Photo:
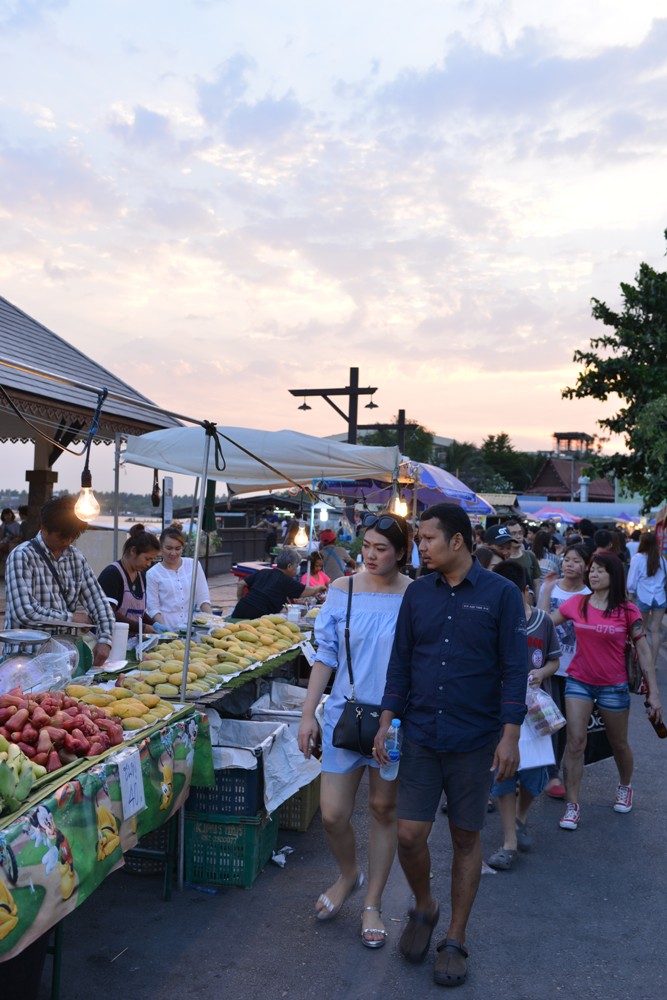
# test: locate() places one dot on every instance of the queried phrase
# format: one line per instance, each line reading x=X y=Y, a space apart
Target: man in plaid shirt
x=46 y=579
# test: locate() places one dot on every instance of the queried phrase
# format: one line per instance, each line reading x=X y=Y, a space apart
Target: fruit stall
x=66 y=824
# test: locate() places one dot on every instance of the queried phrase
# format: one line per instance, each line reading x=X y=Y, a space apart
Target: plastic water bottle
x=392 y=744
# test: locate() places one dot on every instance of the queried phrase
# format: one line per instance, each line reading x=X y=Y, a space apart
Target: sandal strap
x=377 y=909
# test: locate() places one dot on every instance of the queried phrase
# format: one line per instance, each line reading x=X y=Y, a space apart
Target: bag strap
x=40 y=551
x=347 y=633
x=330 y=554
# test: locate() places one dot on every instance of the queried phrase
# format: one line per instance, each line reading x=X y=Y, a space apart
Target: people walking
x=457 y=680
x=597 y=677
x=365 y=606
x=647 y=580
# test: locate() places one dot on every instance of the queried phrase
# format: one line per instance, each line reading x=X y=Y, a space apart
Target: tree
x=517 y=468
x=418 y=440
x=630 y=361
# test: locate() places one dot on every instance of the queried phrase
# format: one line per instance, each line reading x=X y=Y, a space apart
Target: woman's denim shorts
x=610 y=697
x=655 y=605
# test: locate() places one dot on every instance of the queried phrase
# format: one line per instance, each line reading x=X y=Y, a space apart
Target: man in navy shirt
x=457 y=679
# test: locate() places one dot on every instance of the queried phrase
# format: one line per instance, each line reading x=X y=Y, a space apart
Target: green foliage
x=630 y=361
x=495 y=467
x=418 y=440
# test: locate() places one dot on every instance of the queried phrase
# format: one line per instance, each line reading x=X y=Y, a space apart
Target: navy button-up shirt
x=459 y=664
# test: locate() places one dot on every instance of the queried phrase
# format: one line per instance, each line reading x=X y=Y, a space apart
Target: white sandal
x=373 y=930
x=330 y=910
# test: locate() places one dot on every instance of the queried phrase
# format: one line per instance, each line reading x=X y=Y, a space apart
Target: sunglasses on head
x=382 y=521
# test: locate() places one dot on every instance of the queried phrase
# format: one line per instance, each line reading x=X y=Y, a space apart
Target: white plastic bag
x=544 y=716
x=50 y=670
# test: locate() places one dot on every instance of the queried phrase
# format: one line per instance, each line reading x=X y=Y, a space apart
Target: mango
x=168 y=690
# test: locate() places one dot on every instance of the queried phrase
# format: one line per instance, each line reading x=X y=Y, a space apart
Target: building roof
x=558 y=480
x=51 y=405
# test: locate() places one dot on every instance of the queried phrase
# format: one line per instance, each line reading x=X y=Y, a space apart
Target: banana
x=24 y=784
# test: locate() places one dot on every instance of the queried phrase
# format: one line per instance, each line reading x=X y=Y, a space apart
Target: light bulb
x=301 y=537
x=86 y=506
x=324 y=515
x=399 y=507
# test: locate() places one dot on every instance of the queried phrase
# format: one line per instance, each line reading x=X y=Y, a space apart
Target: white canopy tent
x=254 y=460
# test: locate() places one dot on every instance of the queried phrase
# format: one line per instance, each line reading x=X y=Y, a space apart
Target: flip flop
x=416 y=938
x=451 y=963
x=330 y=911
x=502 y=859
x=373 y=930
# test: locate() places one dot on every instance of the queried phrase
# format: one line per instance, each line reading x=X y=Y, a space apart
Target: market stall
x=72 y=833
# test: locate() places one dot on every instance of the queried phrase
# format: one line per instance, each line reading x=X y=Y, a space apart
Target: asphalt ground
x=581 y=916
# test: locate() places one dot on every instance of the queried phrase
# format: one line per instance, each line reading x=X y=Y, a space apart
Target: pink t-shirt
x=600 y=654
x=316 y=579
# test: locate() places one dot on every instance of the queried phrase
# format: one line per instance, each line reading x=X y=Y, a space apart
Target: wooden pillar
x=41 y=481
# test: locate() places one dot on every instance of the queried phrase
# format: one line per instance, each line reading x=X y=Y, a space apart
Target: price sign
x=309 y=652
x=131 y=782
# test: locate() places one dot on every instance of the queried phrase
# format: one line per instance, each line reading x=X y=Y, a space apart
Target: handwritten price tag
x=309 y=652
x=131 y=782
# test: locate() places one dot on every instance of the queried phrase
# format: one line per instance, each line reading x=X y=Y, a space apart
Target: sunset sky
x=221 y=200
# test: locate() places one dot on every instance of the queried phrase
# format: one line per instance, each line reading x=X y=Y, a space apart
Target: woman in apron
x=124 y=582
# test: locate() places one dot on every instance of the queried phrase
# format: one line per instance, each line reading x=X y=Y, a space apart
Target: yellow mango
x=131 y=723
x=151 y=700
x=168 y=690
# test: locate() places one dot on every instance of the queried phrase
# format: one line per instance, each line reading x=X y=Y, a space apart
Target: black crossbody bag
x=359 y=722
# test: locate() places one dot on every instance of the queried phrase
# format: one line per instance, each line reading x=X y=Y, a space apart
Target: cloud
x=246 y=122
x=145 y=129
x=55 y=183
x=217 y=96
x=24 y=15
x=528 y=86
x=185 y=212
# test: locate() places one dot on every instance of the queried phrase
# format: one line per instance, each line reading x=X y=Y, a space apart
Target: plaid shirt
x=34 y=598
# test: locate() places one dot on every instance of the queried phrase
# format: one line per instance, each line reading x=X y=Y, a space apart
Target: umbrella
x=554 y=513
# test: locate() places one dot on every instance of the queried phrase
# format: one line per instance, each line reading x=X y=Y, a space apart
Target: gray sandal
x=373 y=930
x=502 y=859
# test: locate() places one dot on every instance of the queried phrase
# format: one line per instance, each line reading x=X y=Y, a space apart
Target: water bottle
x=392 y=744
x=660 y=727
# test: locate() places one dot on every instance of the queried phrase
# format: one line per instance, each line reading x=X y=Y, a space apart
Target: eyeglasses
x=381 y=521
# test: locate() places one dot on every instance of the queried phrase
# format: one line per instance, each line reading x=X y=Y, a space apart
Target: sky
x=221 y=200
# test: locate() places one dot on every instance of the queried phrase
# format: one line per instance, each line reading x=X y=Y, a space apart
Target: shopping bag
x=597 y=744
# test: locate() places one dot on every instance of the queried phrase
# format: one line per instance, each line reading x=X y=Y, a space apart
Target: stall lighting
x=399 y=507
x=86 y=507
x=371 y=405
x=304 y=405
x=301 y=537
x=323 y=511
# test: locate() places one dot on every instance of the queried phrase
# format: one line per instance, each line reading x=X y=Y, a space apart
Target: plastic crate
x=156 y=840
x=297 y=812
x=237 y=792
x=228 y=850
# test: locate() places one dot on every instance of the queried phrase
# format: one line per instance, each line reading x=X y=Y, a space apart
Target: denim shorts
x=533 y=779
x=655 y=605
x=610 y=697
x=465 y=778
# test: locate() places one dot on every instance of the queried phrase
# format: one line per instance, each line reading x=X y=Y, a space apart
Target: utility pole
x=352 y=391
x=399 y=427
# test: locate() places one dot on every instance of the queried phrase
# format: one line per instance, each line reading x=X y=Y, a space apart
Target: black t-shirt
x=268 y=591
x=113 y=583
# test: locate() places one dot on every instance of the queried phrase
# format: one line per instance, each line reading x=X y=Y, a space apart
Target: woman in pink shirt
x=596 y=677
x=318 y=577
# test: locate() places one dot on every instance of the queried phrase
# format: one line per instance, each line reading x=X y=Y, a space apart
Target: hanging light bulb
x=304 y=405
x=301 y=537
x=86 y=507
x=371 y=405
x=399 y=507
x=322 y=511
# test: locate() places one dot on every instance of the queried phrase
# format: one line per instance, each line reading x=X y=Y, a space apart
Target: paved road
x=582 y=916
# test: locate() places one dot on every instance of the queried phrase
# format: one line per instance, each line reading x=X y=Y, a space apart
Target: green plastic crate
x=228 y=850
x=297 y=812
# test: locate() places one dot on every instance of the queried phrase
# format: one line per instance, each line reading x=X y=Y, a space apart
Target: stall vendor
x=47 y=578
x=336 y=560
x=270 y=588
x=124 y=582
x=168 y=583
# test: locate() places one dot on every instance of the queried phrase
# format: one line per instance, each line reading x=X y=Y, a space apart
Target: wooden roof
x=50 y=405
x=555 y=478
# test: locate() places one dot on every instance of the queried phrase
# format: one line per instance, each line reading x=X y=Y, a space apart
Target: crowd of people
x=451 y=648
x=453 y=655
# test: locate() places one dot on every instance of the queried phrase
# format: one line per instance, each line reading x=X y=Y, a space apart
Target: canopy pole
x=116 y=499
x=188 y=639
